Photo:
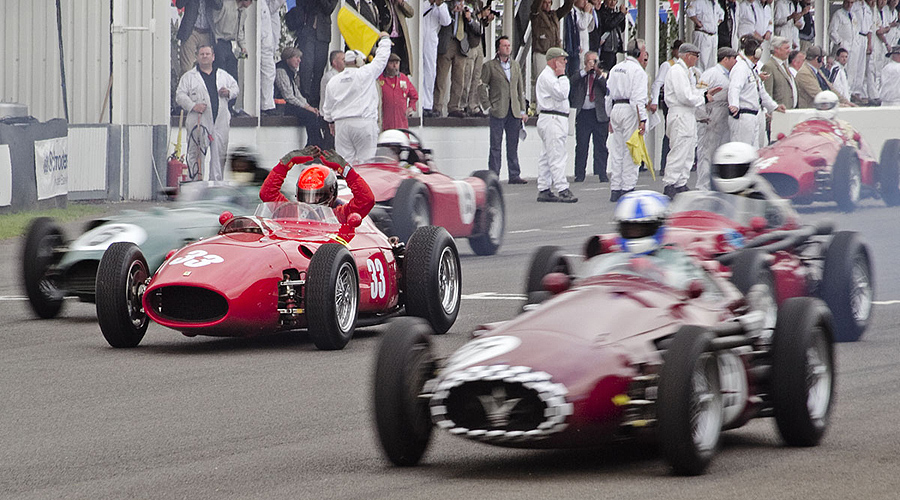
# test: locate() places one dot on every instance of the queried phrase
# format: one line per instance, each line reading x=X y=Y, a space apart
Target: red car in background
x=414 y=193
x=827 y=160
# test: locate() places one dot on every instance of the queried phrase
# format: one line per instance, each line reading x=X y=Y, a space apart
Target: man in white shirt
x=747 y=96
x=890 y=95
x=626 y=106
x=683 y=98
x=552 y=92
x=874 y=48
x=713 y=118
x=788 y=19
x=890 y=18
x=658 y=101
x=838 y=74
x=351 y=103
x=863 y=44
x=706 y=16
x=434 y=15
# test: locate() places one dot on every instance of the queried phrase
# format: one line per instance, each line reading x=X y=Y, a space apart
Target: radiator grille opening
x=188 y=304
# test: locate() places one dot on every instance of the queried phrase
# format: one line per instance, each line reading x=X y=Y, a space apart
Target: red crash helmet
x=317 y=185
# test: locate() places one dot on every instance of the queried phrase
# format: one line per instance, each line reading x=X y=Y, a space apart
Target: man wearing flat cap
x=712 y=119
x=683 y=97
x=398 y=96
x=552 y=92
x=890 y=93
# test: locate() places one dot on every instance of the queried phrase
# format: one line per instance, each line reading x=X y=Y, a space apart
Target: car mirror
x=694 y=289
x=556 y=282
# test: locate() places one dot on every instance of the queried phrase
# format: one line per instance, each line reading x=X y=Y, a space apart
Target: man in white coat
x=626 y=106
x=747 y=97
x=552 y=92
x=269 y=26
x=435 y=14
x=351 y=103
x=890 y=94
x=788 y=18
x=713 y=118
x=706 y=16
x=683 y=98
x=838 y=75
x=204 y=92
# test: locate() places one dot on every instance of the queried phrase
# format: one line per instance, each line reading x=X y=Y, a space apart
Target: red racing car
x=777 y=255
x=413 y=193
x=827 y=160
x=624 y=347
x=291 y=266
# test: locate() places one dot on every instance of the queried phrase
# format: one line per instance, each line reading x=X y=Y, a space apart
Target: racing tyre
x=410 y=209
x=38 y=256
x=846 y=182
x=889 y=172
x=689 y=402
x=121 y=281
x=547 y=259
x=332 y=296
x=490 y=219
x=433 y=277
x=802 y=371
x=848 y=286
x=750 y=273
x=403 y=365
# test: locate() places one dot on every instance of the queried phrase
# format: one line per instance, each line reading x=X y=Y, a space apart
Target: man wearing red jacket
x=318 y=183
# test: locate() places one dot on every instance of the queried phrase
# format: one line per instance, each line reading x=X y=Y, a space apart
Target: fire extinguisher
x=177 y=171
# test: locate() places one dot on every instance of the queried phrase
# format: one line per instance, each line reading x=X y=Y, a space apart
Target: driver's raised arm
x=363 y=199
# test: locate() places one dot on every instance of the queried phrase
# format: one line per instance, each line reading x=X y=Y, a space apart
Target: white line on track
x=573 y=226
x=520 y=231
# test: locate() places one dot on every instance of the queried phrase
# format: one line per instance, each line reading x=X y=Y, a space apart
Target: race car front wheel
x=689 y=402
x=38 y=256
x=332 y=296
x=121 y=281
x=491 y=218
x=410 y=209
x=403 y=364
x=846 y=182
x=433 y=277
x=751 y=274
x=545 y=260
x=848 y=286
x=802 y=371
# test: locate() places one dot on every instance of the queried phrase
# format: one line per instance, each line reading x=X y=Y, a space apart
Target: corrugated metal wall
x=30 y=69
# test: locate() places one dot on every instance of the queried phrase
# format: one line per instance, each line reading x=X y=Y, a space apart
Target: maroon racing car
x=291 y=266
x=627 y=346
x=413 y=193
x=827 y=160
x=777 y=254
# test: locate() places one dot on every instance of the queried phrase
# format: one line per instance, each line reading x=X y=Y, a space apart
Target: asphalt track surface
x=273 y=417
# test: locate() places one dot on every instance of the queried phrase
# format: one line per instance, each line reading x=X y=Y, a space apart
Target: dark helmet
x=317 y=185
x=243 y=159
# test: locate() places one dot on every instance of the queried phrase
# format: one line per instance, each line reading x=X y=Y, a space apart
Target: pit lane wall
x=459 y=149
x=875 y=124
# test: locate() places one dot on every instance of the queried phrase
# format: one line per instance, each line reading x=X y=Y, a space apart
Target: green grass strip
x=14 y=225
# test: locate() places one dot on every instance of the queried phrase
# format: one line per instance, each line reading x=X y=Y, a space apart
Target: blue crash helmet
x=640 y=216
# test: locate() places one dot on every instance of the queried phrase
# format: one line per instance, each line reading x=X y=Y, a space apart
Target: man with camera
x=588 y=90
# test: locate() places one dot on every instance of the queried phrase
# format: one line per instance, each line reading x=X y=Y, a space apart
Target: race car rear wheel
x=689 y=402
x=545 y=260
x=411 y=209
x=848 y=286
x=38 y=256
x=802 y=371
x=331 y=296
x=889 y=172
x=491 y=218
x=750 y=273
x=121 y=281
x=403 y=364
x=846 y=182
x=433 y=277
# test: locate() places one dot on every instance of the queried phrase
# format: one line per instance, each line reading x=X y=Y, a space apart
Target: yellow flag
x=358 y=33
x=638 y=149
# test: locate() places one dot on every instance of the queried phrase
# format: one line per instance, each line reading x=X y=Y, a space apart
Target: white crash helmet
x=826 y=104
x=640 y=216
x=733 y=167
x=397 y=141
